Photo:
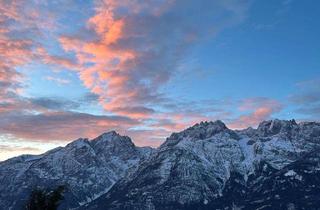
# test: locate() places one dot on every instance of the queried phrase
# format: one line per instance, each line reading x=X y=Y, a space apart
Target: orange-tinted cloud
x=22 y=25
x=259 y=109
x=138 y=46
x=63 y=126
x=134 y=49
x=8 y=151
x=60 y=61
x=151 y=137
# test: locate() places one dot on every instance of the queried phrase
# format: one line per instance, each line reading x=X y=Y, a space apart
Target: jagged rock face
x=209 y=166
x=296 y=186
x=88 y=169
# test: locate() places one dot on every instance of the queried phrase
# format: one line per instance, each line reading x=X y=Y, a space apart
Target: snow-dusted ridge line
x=202 y=166
x=194 y=165
x=88 y=168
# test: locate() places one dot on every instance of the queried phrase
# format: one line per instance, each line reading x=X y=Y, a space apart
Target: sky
x=147 y=68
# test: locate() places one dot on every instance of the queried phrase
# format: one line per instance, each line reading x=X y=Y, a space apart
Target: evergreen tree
x=45 y=199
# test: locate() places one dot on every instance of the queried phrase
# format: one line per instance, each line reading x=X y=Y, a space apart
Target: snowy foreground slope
x=87 y=168
x=207 y=166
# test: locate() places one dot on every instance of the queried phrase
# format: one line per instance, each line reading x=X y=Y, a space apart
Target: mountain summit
x=207 y=166
x=87 y=168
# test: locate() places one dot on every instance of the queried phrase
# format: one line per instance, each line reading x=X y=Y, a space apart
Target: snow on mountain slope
x=209 y=166
x=88 y=168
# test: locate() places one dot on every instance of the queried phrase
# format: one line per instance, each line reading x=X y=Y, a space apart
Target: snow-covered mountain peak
x=112 y=138
x=87 y=167
x=209 y=166
x=200 y=131
x=272 y=127
x=110 y=134
x=218 y=125
x=78 y=143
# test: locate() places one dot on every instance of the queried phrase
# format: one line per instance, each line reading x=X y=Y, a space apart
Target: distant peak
x=217 y=124
x=112 y=137
x=199 y=131
x=212 y=126
x=275 y=126
x=110 y=133
x=107 y=136
x=79 y=142
x=273 y=122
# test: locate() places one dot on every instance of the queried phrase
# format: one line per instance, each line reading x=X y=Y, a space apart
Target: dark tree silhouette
x=41 y=199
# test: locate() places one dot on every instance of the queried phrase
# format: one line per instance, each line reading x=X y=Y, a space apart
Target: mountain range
x=207 y=166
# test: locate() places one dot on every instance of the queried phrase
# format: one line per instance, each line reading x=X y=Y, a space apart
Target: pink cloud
x=260 y=109
x=63 y=126
x=60 y=61
x=20 y=24
x=137 y=48
x=153 y=138
x=21 y=28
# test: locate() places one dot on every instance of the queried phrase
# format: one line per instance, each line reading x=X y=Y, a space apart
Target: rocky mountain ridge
x=88 y=168
x=207 y=166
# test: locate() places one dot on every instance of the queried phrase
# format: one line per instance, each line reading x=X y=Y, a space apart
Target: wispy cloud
x=259 y=108
x=58 y=80
x=8 y=151
x=53 y=104
x=139 y=44
x=19 y=149
x=134 y=49
x=63 y=126
x=22 y=25
x=307 y=98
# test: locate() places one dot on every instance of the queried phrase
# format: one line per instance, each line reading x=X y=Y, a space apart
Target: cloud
x=8 y=151
x=134 y=111
x=312 y=111
x=24 y=28
x=60 y=81
x=260 y=108
x=19 y=104
x=21 y=24
x=148 y=137
x=90 y=98
x=63 y=126
x=139 y=45
x=307 y=98
x=53 y=103
x=307 y=92
x=44 y=104
x=13 y=53
x=19 y=149
x=125 y=54
x=55 y=60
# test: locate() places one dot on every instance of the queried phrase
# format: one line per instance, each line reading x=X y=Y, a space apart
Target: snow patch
x=294 y=174
x=290 y=173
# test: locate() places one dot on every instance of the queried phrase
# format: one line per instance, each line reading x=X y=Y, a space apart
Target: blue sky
x=75 y=68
